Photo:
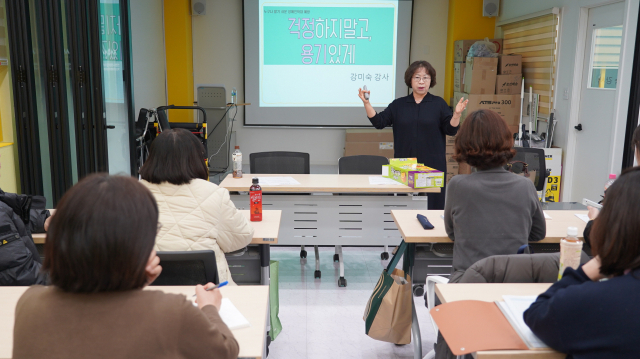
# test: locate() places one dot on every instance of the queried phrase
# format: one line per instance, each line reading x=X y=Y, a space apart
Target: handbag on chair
x=388 y=313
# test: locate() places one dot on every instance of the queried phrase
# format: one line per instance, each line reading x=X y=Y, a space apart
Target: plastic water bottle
x=234 y=96
x=570 y=251
x=255 y=196
x=237 y=163
x=612 y=178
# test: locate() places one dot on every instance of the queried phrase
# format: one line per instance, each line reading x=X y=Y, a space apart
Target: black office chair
x=534 y=158
x=359 y=165
x=279 y=162
x=187 y=268
x=284 y=162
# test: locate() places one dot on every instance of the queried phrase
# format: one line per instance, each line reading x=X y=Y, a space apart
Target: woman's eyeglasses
x=425 y=79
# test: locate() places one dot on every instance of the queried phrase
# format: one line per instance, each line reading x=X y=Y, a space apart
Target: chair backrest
x=361 y=165
x=187 y=268
x=279 y=162
x=534 y=158
x=516 y=268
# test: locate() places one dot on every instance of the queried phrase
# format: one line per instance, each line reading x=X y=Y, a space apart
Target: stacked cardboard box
x=369 y=142
x=492 y=83
x=460 y=51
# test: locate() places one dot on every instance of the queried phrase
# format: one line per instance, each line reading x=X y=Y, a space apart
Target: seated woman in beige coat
x=195 y=214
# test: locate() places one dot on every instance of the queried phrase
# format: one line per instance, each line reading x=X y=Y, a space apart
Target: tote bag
x=388 y=313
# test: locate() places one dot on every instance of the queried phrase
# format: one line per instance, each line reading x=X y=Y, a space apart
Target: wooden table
x=491 y=292
x=318 y=183
x=412 y=231
x=332 y=209
x=265 y=234
x=251 y=301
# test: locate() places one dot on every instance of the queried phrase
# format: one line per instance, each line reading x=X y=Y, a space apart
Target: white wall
x=569 y=22
x=218 y=58
x=429 y=37
x=147 y=50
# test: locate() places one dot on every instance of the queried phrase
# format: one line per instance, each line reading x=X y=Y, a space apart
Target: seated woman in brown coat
x=99 y=254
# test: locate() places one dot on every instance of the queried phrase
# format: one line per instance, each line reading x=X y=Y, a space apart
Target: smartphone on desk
x=588 y=202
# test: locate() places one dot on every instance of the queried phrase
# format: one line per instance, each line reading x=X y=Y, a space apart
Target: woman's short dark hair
x=615 y=235
x=176 y=156
x=484 y=141
x=414 y=67
x=101 y=235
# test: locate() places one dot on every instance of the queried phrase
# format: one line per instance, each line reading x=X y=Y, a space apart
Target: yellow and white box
x=553 y=162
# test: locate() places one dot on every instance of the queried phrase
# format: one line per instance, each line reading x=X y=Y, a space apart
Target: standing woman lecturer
x=420 y=122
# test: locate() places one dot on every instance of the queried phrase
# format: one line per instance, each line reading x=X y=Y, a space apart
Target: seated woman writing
x=195 y=214
x=586 y=318
x=491 y=211
x=99 y=255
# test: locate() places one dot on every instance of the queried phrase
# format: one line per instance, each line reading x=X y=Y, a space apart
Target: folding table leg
x=415 y=326
x=317 y=273
x=342 y=282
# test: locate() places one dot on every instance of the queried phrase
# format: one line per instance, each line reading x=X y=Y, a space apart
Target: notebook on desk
x=231 y=316
x=469 y=326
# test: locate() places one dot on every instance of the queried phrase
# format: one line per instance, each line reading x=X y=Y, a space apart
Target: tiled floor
x=321 y=320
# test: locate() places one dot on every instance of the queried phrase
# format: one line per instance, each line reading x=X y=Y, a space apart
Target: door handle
x=579 y=127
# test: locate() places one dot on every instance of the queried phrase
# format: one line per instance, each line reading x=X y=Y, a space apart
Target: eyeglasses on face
x=424 y=79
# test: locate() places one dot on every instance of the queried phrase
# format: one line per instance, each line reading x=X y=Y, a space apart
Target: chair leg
x=342 y=282
x=303 y=255
x=336 y=256
x=317 y=273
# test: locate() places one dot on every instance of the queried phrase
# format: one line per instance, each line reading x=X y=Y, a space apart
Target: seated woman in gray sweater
x=491 y=211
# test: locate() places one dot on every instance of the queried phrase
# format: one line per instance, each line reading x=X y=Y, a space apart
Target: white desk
x=265 y=232
x=251 y=301
x=314 y=213
x=491 y=292
x=412 y=231
x=332 y=209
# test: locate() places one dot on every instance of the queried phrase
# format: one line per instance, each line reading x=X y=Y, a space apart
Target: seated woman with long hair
x=584 y=317
x=99 y=255
x=491 y=211
x=195 y=214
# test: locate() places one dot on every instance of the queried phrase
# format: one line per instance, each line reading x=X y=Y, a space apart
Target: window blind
x=536 y=40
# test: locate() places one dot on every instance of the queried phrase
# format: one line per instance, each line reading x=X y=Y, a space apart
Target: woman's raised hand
x=361 y=93
x=461 y=106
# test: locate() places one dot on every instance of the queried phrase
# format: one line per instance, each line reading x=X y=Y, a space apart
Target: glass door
x=112 y=29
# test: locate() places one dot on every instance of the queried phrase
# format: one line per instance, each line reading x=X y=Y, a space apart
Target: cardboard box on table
x=461 y=48
x=480 y=75
x=369 y=142
x=413 y=174
x=509 y=64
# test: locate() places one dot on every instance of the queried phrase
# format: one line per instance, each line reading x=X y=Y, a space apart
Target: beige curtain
x=536 y=40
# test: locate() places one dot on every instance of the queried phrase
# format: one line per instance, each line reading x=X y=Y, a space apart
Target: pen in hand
x=217 y=286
